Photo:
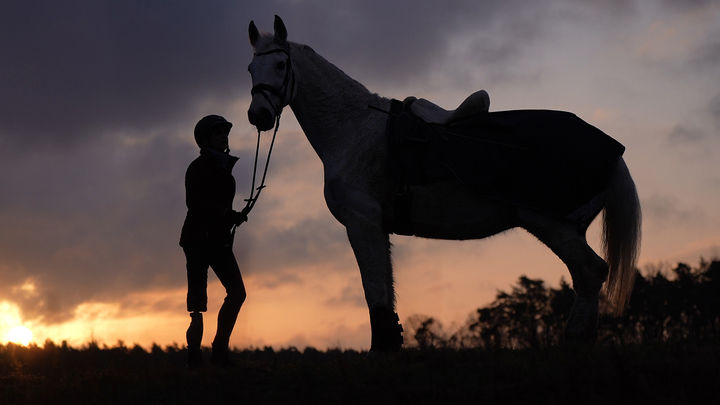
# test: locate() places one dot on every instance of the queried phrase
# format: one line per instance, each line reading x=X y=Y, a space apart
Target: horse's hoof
x=386 y=330
x=581 y=326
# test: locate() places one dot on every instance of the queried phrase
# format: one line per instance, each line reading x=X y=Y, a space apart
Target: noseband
x=282 y=92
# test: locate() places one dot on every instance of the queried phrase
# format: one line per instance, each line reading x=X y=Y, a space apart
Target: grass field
x=649 y=374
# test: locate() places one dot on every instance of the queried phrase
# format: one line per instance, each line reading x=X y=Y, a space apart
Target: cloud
x=401 y=42
x=310 y=241
x=708 y=55
x=100 y=220
x=693 y=142
x=714 y=109
x=411 y=34
x=688 y=4
x=665 y=211
x=682 y=134
x=351 y=295
x=72 y=70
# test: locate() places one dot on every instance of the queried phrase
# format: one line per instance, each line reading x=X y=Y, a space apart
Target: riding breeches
x=222 y=260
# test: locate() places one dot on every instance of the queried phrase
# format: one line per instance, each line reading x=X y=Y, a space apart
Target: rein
x=255 y=192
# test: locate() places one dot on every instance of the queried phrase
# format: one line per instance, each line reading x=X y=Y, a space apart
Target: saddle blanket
x=547 y=160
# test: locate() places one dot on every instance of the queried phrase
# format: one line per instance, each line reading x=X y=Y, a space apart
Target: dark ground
x=606 y=374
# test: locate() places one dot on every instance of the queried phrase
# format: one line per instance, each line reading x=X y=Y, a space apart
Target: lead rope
x=255 y=192
x=253 y=195
x=257 y=151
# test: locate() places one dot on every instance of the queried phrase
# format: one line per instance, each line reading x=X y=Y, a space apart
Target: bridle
x=282 y=94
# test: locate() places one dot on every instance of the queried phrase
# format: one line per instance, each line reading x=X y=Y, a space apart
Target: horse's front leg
x=362 y=217
x=371 y=246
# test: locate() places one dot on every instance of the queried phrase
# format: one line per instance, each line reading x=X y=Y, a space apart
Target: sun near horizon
x=20 y=335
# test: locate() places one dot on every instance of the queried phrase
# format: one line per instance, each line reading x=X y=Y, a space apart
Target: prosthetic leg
x=194 y=340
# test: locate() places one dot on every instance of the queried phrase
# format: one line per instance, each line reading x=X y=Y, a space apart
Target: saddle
x=476 y=103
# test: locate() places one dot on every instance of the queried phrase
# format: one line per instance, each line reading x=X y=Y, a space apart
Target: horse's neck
x=332 y=108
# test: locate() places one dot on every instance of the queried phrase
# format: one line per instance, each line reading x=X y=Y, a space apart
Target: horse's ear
x=254 y=34
x=280 y=31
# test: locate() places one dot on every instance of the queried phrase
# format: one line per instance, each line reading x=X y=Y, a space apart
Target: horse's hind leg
x=587 y=269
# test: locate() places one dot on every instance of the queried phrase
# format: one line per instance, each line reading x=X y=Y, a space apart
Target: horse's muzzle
x=262 y=118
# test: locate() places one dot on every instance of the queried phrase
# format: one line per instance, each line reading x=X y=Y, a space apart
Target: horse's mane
x=317 y=63
x=328 y=69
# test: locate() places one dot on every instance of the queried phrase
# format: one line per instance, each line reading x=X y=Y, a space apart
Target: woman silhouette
x=207 y=237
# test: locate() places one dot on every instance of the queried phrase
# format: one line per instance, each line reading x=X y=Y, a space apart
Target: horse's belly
x=449 y=210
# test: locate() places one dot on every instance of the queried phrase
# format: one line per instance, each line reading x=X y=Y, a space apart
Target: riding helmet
x=203 y=127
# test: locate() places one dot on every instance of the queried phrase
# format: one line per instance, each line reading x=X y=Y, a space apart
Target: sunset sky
x=98 y=101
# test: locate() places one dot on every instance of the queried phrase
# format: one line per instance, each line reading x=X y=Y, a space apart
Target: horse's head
x=272 y=75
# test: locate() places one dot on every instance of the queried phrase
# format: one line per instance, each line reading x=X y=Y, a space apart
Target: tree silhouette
x=427 y=332
x=514 y=320
x=675 y=305
x=667 y=305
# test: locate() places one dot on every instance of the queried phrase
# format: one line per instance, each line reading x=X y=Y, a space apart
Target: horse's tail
x=621 y=238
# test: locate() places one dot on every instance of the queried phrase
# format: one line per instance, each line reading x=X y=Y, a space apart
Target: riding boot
x=221 y=357
x=386 y=330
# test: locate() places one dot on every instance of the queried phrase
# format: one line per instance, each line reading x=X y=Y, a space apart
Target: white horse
x=352 y=143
